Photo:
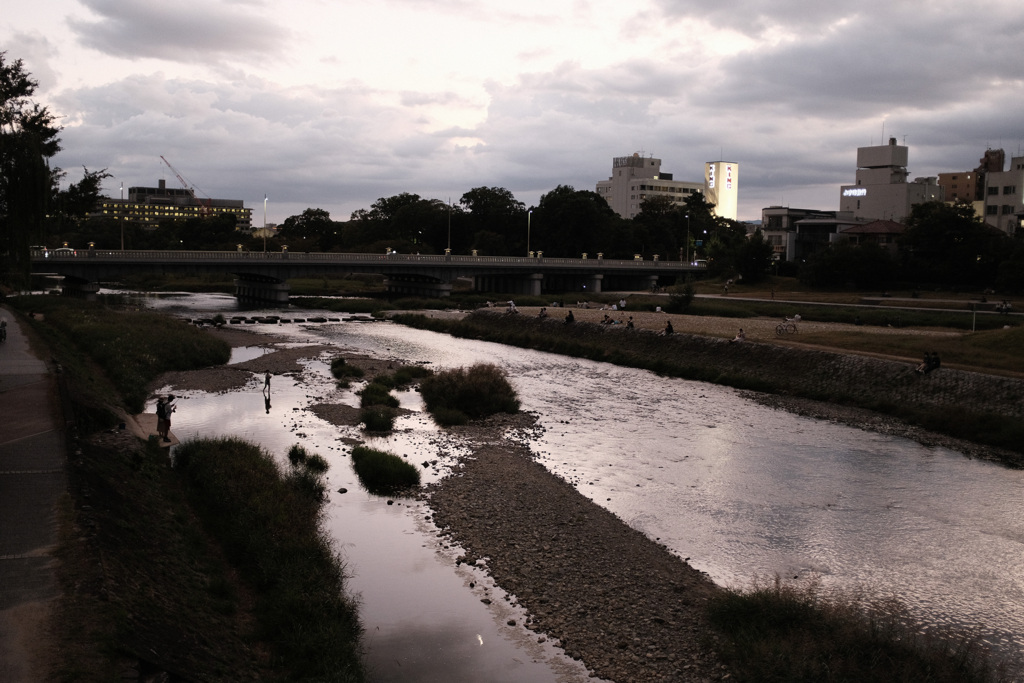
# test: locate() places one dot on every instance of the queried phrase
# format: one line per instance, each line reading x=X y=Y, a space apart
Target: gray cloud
x=791 y=113
x=37 y=53
x=188 y=31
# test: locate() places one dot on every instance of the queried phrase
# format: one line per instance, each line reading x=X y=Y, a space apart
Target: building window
x=1007 y=209
x=1009 y=189
x=991 y=210
x=993 y=191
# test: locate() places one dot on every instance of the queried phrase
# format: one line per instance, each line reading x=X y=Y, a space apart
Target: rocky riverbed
x=610 y=596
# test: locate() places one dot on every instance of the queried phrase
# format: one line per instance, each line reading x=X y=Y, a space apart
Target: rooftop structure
x=881 y=190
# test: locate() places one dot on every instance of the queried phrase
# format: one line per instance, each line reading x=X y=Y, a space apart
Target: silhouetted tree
x=28 y=140
x=949 y=244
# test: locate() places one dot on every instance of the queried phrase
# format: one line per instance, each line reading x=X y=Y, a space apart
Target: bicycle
x=788 y=327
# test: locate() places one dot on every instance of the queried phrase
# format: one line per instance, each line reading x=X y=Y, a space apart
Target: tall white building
x=636 y=178
x=721 y=187
x=881 y=190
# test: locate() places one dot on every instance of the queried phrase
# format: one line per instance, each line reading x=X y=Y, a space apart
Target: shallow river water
x=741 y=490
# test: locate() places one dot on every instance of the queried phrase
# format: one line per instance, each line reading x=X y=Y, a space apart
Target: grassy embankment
x=796 y=634
x=217 y=571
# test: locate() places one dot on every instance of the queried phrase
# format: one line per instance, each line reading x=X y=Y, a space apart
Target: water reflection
x=423 y=623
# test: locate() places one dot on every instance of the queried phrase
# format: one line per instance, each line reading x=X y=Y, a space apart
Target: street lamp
x=687 y=238
x=529 y=215
x=264 y=223
x=122 y=216
x=448 y=250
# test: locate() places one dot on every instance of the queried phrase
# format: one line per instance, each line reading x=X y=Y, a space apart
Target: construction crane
x=204 y=204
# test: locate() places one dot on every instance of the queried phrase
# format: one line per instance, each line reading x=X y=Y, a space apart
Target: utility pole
x=122 y=216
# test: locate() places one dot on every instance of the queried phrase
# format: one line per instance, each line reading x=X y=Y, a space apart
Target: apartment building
x=636 y=178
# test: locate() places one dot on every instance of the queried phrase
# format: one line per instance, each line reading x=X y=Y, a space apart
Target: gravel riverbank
x=619 y=601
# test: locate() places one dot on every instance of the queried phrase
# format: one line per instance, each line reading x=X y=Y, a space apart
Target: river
x=741 y=490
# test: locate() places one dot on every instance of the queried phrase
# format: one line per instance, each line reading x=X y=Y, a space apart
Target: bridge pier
x=261 y=289
x=80 y=289
x=595 y=284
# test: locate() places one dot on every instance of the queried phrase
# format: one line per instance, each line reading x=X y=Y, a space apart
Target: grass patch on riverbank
x=456 y=396
x=345 y=372
x=995 y=350
x=383 y=473
x=783 y=632
x=131 y=348
x=269 y=525
x=880 y=316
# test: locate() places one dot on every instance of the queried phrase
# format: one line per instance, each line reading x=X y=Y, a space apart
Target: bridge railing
x=141 y=256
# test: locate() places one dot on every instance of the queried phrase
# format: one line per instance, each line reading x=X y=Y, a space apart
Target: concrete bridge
x=261 y=276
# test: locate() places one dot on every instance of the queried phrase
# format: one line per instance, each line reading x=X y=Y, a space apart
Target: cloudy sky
x=334 y=103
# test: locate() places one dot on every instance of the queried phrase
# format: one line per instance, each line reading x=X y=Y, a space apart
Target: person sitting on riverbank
x=570 y=318
x=931 y=362
x=668 y=329
x=740 y=336
x=606 y=320
x=543 y=313
x=629 y=323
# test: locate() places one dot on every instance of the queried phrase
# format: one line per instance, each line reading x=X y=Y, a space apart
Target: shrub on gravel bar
x=476 y=392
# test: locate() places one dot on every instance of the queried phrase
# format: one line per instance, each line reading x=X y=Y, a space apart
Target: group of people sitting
x=931 y=362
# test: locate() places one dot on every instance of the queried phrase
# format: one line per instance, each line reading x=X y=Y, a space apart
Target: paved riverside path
x=32 y=480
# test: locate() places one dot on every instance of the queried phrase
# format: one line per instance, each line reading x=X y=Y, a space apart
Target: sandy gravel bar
x=622 y=603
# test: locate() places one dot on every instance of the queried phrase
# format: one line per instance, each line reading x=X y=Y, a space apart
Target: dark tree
x=73 y=205
x=660 y=228
x=753 y=258
x=568 y=222
x=949 y=244
x=310 y=224
x=865 y=266
x=28 y=140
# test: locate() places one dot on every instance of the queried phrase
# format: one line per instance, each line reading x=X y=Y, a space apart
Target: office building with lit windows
x=147 y=206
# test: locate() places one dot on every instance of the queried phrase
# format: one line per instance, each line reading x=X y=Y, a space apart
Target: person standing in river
x=161 y=418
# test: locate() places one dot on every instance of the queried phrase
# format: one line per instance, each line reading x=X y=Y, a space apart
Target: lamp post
x=448 y=250
x=529 y=215
x=264 y=223
x=687 y=238
x=122 y=216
